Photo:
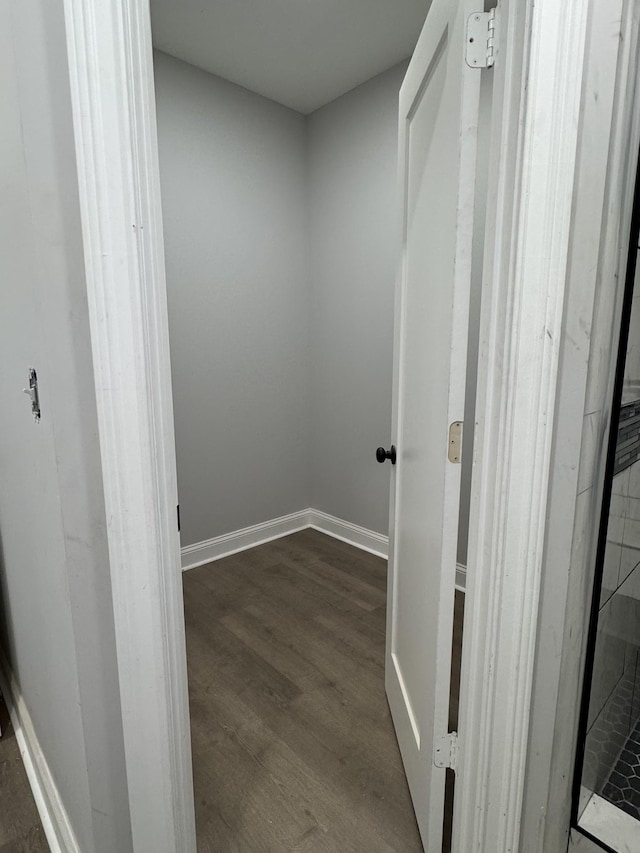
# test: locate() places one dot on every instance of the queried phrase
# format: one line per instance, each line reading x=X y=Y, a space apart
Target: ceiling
x=301 y=53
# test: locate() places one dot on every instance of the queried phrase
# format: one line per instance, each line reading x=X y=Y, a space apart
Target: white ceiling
x=302 y=53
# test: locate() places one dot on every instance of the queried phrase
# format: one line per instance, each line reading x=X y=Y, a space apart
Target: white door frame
x=529 y=218
x=528 y=224
x=604 y=200
x=113 y=101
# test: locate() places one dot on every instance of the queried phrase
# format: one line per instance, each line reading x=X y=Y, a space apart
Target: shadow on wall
x=6 y=622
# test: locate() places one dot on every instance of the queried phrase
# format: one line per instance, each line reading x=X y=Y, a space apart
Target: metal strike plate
x=32 y=393
x=455 y=442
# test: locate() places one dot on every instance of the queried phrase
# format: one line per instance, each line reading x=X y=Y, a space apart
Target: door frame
x=534 y=147
x=529 y=217
x=605 y=201
x=113 y=106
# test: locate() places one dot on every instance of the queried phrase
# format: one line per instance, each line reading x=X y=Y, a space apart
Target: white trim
x=209 y=550
x=113 y=103
x=218 y=547
x=345 y=531
x=606 y=179
x=536 y=104
x=53 y=815
x=611 y=825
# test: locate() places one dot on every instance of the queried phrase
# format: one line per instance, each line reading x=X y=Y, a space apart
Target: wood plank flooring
x=293 y=745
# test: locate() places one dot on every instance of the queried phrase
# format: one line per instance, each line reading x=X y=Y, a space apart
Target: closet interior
x=277 y=134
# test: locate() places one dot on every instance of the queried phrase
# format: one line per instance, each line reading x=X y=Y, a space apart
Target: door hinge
x=481 y=39
x=178 y=515
x=445 y=751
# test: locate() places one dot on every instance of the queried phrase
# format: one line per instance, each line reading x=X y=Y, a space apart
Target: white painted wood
x=353 y=534
x=536 y=102
x=55 y=820
x=437 y=155
x=461 y=577
x=227 y=544
x=615 y=828
x=111 y=76
x=602 y=207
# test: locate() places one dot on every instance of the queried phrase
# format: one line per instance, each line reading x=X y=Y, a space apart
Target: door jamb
x=113 y=104
x=604 y=205
x=536 y=103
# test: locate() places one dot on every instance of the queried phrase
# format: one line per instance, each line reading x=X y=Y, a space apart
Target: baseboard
x=210 y=550
x=361 y=537
x=55 y=820
x=201 y=553
x=461 y=577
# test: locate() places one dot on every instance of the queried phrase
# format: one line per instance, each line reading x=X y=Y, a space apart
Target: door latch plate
x=32 y=393
x=455 y=442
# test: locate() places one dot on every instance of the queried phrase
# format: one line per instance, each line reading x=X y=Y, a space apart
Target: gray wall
x=280 y=244
x=234 y=203
x=55 y=609
x=353 y=227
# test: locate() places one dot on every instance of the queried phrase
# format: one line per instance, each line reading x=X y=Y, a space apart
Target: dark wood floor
x=293 y=745
x=20 y=827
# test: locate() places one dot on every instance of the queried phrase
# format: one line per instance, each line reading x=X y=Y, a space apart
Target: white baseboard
x=210 y=550
x=200 y=553
x=361 y=537
x=55 y=820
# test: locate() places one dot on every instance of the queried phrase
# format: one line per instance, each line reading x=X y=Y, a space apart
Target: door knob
x=382 y=455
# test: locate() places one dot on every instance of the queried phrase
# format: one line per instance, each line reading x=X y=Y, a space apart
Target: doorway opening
x=281 y=247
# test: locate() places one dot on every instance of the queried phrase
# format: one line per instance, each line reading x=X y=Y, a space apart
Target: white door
x=437 y=148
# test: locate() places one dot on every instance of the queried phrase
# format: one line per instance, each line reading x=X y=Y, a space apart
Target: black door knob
x=382 y=455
